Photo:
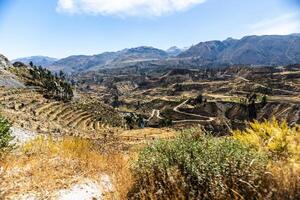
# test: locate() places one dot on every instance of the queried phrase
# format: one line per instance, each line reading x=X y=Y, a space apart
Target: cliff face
x=7 y=79
x=4 y=62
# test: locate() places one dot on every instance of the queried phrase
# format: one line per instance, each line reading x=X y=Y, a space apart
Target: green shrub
x=5 y=134
x=200 y=167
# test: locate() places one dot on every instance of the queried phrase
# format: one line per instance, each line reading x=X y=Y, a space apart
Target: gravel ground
x=87 y=190
x=21 y=136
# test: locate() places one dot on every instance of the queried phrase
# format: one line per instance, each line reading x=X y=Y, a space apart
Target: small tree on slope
x=5 y=134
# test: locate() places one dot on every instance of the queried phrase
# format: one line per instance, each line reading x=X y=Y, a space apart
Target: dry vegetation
x=46 y=165
x=259 y=163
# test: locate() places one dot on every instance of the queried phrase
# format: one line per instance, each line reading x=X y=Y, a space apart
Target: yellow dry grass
x=285 y=179
x=282 y=144
x=150 y=133
x=46 y=165
x=275 y=138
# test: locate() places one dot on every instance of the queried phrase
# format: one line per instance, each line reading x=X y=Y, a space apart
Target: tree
x=5 y=134
x=252 y=97
x=56 y=86
x=129 y=118
x=264 y=100
x=178 y=87
x=115 y=101
x=252 y=112
x=165 y=122
x=62 y=75
x=199 y=99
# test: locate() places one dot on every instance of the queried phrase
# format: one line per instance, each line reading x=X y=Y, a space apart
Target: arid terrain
x=149 y=100
x=169 y=94
x=119 y=112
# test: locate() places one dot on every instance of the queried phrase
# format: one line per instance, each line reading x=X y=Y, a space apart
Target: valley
x=169 y=94
x=149 y=100
x=110 y=104
x=88 y=126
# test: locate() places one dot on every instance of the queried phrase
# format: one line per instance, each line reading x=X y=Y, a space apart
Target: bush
x=282 y=144
x=5 y=134
x=200 y=167
x=275 y=138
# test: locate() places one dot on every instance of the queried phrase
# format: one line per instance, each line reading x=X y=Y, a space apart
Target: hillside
x=107 y=59
x=250 y=50
x=86 y=144
x=7 y=79
x=174 y=51
x=268 y=50
x=37 y=60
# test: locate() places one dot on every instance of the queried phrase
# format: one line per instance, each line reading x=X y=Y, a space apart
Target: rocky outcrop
x=7 y=79
x=4 y=62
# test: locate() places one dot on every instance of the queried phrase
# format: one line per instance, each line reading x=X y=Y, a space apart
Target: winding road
x=176 y=109
x=156 y=113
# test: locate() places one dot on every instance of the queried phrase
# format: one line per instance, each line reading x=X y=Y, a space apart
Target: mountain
x=82 y=62
x=140 y=54
x=8 y=79
x=37 y=60
x=250 y=50
x=108 y=59
x=174 y=51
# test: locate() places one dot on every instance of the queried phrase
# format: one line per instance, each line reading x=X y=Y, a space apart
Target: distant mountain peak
x=37 y=60
x=174 y=51
x=252 y=50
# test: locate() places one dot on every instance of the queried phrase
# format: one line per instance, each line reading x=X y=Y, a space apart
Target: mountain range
x=266 y=50
x=37 y=60
x=250 y=50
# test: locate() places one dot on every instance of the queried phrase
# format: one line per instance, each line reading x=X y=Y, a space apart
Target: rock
x=8 y=79
x=21 y=136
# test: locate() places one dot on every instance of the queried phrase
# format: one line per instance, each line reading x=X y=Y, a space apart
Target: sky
x=60 y=28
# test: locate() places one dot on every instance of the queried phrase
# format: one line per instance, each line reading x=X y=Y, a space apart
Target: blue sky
x=59 y=28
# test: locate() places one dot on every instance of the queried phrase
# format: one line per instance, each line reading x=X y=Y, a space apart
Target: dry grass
x=273 y=137
x=44 y=166
x=285 y=180
x=282 y=144
x=149 y=134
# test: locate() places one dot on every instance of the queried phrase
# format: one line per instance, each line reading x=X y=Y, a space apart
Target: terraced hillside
x=163 y=94
x=84 y=117
x=29 y=109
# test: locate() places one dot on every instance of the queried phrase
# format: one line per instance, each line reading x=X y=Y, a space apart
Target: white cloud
x=282 y=25
x=125 y=7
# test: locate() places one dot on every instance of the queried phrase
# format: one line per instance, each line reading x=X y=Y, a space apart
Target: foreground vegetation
x=5 y=135
x=259 y=163
x=262 y=162
x=45 y=165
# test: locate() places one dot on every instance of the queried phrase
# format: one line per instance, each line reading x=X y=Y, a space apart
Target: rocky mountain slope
x=108 y=59
x=174 y=51
x=6 y=78
x=252 y=50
